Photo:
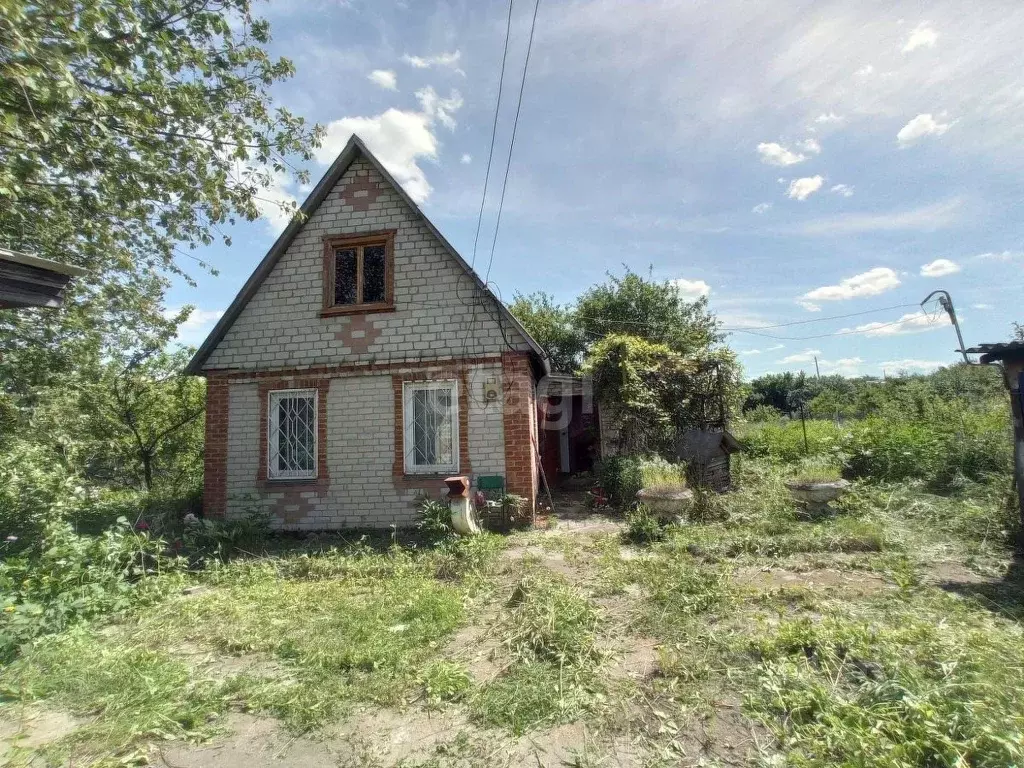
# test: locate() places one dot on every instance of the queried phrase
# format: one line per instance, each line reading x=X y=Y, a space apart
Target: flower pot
x=667 y=504
x=815 y=498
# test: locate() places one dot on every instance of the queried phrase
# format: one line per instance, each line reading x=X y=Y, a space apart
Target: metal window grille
x=292 y=435
x=431 y=427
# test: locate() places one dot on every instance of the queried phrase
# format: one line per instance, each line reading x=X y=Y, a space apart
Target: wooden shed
x=707 y=455
x=29 y=281
x=1009 y=356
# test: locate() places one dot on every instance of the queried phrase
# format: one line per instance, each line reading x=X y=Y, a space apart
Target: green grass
x=549 y=628
x=130 y=693
x=901 y=675
x=927 y=682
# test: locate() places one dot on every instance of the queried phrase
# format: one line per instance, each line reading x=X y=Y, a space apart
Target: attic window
x=359 y=273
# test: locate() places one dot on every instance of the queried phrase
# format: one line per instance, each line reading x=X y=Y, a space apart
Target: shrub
x=64 y=577
x=623 y=476
x=763 y=414
x=642 y=527
x=435 y=518
x=784 y=441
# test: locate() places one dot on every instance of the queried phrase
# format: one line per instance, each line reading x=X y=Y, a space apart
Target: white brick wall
x=440 y=314
x=440 y=311
x=362 y=491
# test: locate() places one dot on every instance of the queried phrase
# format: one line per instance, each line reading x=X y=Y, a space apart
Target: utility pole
x=946 y=302
x=817 y=371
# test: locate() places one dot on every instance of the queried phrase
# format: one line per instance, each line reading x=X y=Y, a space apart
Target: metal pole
x=946 y=302
x=817 y=372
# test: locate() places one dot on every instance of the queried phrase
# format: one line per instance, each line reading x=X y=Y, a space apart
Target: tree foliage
x=646 y=383
x=554 y=328
x=128 y=128
x=647 y=309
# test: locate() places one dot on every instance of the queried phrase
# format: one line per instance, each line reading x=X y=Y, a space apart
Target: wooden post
x=1017 y=405
x=803 y=421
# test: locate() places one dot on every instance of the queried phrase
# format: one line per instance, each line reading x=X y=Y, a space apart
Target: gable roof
x=353 y=149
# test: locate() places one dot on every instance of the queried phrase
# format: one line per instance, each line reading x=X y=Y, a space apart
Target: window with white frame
x=431 y=426
x=292 y=434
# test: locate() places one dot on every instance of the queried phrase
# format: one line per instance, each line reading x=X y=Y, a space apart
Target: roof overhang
x=994 y=353
x=29 y=281
x=353 y=149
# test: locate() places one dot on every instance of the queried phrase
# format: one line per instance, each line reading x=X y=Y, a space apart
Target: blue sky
x=793 y=161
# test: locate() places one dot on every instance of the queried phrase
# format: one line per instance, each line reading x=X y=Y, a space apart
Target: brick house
x=360 y=364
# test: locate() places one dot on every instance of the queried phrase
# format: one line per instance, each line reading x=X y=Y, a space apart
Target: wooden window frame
x=334 y=243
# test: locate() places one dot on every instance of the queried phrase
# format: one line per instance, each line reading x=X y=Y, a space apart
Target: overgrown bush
x=63 y=577
x=434 y=518
x=622 y=477
x=642 y=527
x=762 y=414
x=784 y=441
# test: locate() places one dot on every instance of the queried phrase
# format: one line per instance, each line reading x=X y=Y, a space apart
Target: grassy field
x=889 y=635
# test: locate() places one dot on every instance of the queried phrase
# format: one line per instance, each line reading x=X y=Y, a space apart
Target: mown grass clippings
x=897 y=686
x=125 y=693
x=549 y=629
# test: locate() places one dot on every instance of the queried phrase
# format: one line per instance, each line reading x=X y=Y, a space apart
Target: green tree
x=132 y=422
x=554 y=327
x=649 y=310
x=128 y=128
x=647 y=385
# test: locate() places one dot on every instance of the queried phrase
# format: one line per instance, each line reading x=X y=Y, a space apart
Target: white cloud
x=910 y=364
x=385 y=78
x=864 y=71
x=751 y=352
x=810 y=145
x=198 y=324
x=844 y=366
x=466 y=159
x=843 y=189
x=939 y=268
x=870 y=283
x=998 y=256
x=761 y=208
x=399 y=138
x=807 y=356
x=828 y=118
x=449 y=60
x=923 y=36
x=810 y=306
x=915 y=322
x=801 y=189
x=921 y=126
x=927 y=218
x=691 y=290
x=775 y=154
x=982 y=307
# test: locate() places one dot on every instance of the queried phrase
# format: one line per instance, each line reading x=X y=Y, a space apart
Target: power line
x=751 y=328
x=821 y=319
x=848 y=332
x=512 y=143
x=494 y=130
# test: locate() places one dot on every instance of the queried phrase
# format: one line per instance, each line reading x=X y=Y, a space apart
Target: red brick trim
x=215 y=458
x=330 y=370
x=520 y=421
x=323 y=478
x=436 y=372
